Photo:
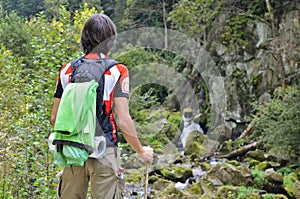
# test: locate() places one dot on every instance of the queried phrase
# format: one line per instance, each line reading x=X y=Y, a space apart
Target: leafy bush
x=15 y=34
x=279 y=120
x=26 y=90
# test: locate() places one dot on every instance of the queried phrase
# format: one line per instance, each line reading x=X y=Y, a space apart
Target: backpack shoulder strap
x=110 y=64
x=75 y=63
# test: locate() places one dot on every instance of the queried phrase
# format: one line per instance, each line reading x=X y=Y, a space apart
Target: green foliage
x=81 y=17
x=279 y=121
x=15 y=35
x=195 y=17
x=144 y=95
x=234 y=35
x=139 y=13
x=118 y=14
x=52 y=8
x=244 y=192
x=285 y=171
x=25 y=171
x=129 y=55
x=24 y=8
x=239 y=143
x=28 y=82
x=175 y=118
x=258 y=178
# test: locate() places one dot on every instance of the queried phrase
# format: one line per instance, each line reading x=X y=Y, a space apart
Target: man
x=97 y=38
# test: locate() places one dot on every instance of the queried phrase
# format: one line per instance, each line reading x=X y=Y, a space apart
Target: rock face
x=266 y=63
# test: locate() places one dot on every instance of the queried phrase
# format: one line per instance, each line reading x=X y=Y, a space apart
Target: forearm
x=128 y=130
x=129 y=133
x=54 y=110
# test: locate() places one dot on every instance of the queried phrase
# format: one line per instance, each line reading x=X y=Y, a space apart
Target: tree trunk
x=240 y=151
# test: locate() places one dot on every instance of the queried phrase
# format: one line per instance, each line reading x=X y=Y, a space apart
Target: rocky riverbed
x=201 y=174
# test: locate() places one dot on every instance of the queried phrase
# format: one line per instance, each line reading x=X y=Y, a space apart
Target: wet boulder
x=273 y=182
x=224 y=173
x=176 y=173
x=256 y=155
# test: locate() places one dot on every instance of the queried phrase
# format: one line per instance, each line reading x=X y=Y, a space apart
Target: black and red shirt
x=116 y=85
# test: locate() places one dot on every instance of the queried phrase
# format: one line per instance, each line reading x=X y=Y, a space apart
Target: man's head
x=98 y=34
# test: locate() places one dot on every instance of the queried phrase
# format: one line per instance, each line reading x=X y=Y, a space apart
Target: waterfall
x=188 y=127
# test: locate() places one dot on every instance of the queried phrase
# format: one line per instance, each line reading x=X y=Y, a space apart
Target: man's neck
x=94 y=55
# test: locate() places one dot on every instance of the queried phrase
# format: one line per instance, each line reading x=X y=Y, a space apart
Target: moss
x=177 y=173
x=205 y=166
x=175 y=118
x=274 y=196
x=170 y=192
x=153 y=179
x=252 y=162
x=227 y=146
x=161 y=184
x=289 y=182
x=257 y=155
x=263 y=166
x=228 y=192
x=195 y=188
x=133 y=176
x=233 y=162
x=158 y=115
x=195 y=148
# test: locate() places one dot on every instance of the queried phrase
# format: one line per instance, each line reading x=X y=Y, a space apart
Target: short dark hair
x=98 y=34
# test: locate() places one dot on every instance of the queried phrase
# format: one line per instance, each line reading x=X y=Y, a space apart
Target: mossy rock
x=274 y=196
x=252 y=162
x=205 y=166
x=273 y=177
x=170 y=192
x=133 y=175
x=291 y=184
x=196 y=144
x=161 y=184
x=256 y=155
x=133 y=162
x=176 y=173
x=227 y=146
x=233 y=162
x=195 y=189
x=195 y=148
x=229 y=174
x=263 y=165
x=228 y=192
x=296 y=189
x=158 y=115
x=153 y=179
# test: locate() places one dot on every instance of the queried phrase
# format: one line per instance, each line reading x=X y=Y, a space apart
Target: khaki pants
x=103 y=175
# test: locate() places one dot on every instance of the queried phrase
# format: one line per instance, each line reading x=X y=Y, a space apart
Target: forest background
x=38 y=37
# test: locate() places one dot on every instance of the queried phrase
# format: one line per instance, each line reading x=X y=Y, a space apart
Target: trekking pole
x=146 y=181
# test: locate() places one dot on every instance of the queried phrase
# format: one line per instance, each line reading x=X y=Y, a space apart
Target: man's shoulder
x=121 y=67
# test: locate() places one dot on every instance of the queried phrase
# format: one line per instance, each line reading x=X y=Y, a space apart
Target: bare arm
x=126 y=125
x=54 y=110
